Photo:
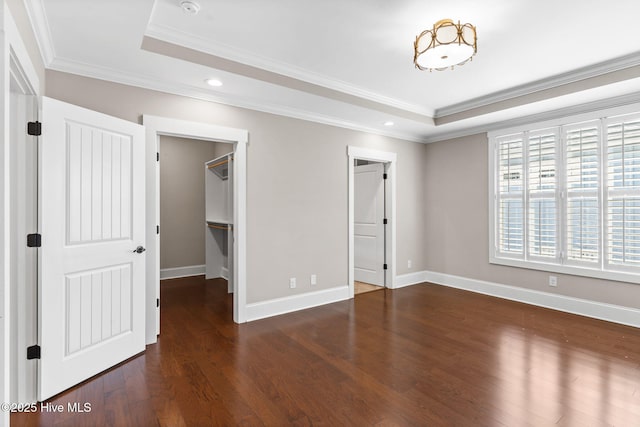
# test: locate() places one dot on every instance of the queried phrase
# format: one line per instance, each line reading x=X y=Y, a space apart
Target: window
x=566 y=198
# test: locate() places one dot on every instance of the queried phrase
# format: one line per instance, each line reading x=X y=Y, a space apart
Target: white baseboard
x=410 y=279
x=597 y=310
x=224 y=273
x=277 y=306
x=174 y=273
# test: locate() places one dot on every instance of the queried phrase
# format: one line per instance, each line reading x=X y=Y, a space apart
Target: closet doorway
x=157 y=127
x=372 y=218
x=186 y=237
x=370 y=222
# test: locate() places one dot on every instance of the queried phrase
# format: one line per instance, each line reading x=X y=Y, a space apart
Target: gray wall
x=296 y=184
x=457 y=219
x=182 y=199
x=297 y=197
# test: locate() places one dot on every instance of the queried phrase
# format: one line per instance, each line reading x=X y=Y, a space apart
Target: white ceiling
x=349 y=63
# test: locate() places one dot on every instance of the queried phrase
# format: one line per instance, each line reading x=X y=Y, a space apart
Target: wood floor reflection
x=421 y=355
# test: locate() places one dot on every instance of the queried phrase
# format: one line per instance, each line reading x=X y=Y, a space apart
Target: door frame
x=14 y=58
x=159 y=126
x=24 y=267
x=389 y=160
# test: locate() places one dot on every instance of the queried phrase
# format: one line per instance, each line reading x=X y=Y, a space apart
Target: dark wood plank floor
x=425 y=355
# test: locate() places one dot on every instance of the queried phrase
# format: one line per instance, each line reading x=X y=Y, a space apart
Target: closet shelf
x=218 y=185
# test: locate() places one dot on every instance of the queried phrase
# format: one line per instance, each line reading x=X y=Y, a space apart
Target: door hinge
x=384 y=176
x=34 y=128
x=157 y=156
x=384 y=267
x=34 y=240
x=384 y=221
x=157 y=302
x=157 y=229
x=33 y=352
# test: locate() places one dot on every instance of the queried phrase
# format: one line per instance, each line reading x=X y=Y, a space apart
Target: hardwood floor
x=421 y=355
x=363 y=288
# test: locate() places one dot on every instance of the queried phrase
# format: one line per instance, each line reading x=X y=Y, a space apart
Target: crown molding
x=146 y=82
x=190 y=41
x=42 y=31
x=618 y=101
x=579 y=74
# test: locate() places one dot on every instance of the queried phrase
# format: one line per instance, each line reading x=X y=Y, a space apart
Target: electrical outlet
x=409 y=264
x=314 y=279
x=292 y=283
x=553 y=281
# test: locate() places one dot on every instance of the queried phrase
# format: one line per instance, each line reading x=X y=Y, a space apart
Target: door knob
x=139 y=250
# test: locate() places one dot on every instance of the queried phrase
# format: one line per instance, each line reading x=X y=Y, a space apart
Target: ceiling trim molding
x=146 y=82
x=190 y=41
x=618 y=101
x=579 y=74
x=41 y=29
x=195 y=56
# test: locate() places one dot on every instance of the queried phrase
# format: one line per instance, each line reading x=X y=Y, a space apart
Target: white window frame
x=602 y=269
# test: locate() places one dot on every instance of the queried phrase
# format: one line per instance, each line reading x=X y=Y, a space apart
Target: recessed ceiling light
x=389 y=123
x=190 y=7
x=214 y=82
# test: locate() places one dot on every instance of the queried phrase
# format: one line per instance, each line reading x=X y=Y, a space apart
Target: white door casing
x=92 y=283
x=14 y=59
x=24 y=221
x=368 y=223
x=155 y=127
x=390 y=161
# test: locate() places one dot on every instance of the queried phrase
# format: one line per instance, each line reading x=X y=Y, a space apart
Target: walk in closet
x=219 y=219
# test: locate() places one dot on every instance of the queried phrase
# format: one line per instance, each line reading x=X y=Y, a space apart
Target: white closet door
x=368 y=224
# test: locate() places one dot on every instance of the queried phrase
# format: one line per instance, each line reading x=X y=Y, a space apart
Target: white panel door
x=368 y=224
x=92 y=283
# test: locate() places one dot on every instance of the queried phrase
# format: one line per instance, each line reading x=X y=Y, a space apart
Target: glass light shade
x=444 y=46
x=444 y=56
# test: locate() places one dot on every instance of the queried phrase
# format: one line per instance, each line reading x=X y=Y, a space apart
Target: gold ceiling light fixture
x=446 y=45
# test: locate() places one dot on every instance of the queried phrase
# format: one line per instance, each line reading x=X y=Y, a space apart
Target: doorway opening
x=237 y=138
x=196 y=210
x=370 y=223
x=183 y=203
x=372 y=219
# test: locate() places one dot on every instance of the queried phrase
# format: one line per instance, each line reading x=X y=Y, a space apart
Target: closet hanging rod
x=218 y=227
x=222 y=162
x=218 y=164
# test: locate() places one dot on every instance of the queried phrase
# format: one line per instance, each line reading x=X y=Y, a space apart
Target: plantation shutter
x=542 y=194
x=623 y=191
x=510 y=196
x=582 y=145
